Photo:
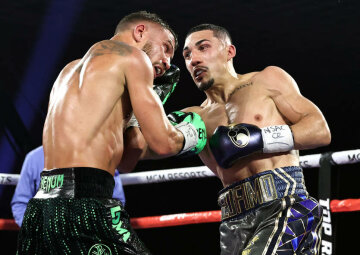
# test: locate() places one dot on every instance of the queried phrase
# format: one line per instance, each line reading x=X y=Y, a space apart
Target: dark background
x=317 y=42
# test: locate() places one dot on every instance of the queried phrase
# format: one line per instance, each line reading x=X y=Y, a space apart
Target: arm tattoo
x=112 y=47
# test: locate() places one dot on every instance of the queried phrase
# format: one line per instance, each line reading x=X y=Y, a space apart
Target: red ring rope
x=346 y=205
x=175 y=219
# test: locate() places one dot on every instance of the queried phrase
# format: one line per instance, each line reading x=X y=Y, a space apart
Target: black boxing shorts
x=270 y=213
x=73 y=213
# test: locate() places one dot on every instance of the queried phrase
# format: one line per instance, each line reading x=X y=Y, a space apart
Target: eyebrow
x=196 y=44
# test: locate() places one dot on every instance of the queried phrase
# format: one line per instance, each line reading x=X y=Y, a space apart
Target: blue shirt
x=29 y=182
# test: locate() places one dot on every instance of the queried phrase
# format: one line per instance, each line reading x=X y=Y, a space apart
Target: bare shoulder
x=248 y=76
x=195 y=109
x=205 y=103
x=274 y=72
x=69 y=67
x=72 y=64
x=274 y=77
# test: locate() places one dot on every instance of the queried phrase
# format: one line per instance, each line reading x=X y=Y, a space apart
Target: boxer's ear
x=138 y=32
x=231 y=50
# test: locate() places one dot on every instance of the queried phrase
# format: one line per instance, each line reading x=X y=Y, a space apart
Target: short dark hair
x=144 y=16
x=218 y=31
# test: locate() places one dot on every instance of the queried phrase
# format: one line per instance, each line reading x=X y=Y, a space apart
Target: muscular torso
x=88 y=110
x=249 y=103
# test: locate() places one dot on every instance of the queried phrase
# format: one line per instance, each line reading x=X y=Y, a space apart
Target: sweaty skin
x=249 y=104
x=93 y=98
x=269 y=97
x=85 y=120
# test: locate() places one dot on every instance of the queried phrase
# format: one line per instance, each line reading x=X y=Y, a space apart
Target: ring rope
x=309 y=161
x=156 y=176
x=178 y=219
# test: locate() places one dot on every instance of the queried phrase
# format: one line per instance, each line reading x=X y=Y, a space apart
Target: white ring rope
x=308 y=161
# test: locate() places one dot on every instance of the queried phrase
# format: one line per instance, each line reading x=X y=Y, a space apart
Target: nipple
x=258 y=117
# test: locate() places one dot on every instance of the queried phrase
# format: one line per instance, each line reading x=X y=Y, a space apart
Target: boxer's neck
x=221 y=90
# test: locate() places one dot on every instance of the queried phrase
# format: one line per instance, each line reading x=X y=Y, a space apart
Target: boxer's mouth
x=158 y=71
x=199 y=72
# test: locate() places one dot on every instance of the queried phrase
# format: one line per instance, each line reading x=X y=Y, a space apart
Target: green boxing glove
x=165 y=85
x=191 y=125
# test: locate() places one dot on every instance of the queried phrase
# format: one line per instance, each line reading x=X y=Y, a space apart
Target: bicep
x=294 y=106
x=308 y=124
x=286 y=95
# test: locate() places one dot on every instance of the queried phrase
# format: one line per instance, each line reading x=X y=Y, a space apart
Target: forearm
x=141 y=150
x=311 y=132
x=148 y=154
x=135 y=149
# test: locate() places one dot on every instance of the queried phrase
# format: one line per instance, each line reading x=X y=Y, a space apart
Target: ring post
x=324 y=195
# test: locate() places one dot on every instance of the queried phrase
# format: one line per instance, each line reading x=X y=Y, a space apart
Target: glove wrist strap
x=190 y=136
x=277 y=138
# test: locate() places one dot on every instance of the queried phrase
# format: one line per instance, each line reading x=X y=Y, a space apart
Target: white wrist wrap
x=190 y=136
x=277 y=138
x=133 y=122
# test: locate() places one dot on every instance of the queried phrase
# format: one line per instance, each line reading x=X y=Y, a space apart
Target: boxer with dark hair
x=90 y=106
x=256 y=123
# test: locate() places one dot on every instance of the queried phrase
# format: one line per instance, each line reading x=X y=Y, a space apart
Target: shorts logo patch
x=48 y=183
x=99 y=249
x=247 y=195
x=117 y=224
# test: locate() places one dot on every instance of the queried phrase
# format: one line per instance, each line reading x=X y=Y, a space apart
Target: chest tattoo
x=228 y=112
x=240 y=87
